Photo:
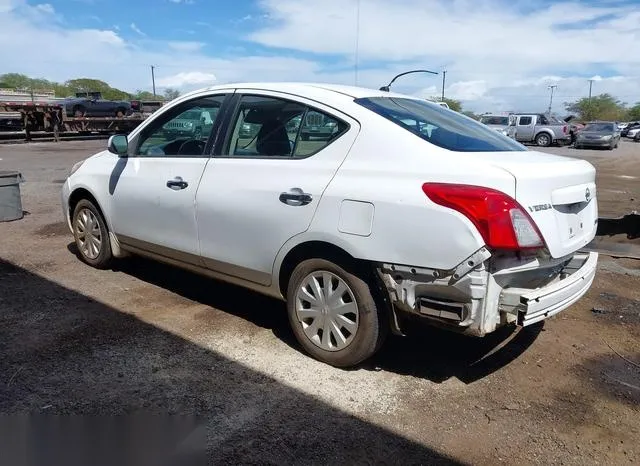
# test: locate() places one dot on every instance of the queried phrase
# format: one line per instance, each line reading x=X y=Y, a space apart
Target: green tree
x=453 y=104
x=471 y=115
x=599 y=107
x=145 y=95
x=95 y=85
x=170 y=93
x=634 y=113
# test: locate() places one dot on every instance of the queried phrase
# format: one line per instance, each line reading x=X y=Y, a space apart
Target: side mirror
x=118 y=144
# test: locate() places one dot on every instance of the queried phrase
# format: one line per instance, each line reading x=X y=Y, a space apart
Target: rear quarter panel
x=387 y=167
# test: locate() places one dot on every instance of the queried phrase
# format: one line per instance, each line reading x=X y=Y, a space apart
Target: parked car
x=632 y=133
x=630 y=127
x=317 y=126
x=409 y=209
x=191 y=124
x=598 y=134
x=502 y=123
x=93 y=105
x=543 y=130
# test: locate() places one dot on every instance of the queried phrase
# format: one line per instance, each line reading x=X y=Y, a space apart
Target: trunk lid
x=559 y=193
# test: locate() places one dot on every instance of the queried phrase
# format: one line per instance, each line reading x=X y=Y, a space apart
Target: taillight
x=501 y=221
x=564 y=129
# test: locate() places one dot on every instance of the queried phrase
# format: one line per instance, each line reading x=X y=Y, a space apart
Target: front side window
x=272 y=127
x=182 y=131
x=441 y=127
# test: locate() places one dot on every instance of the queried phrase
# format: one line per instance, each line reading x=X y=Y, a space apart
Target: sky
x=499 y=55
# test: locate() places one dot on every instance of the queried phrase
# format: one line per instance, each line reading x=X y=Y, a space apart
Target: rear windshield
x=599 y=127
x=439 y=126
x=495 y=120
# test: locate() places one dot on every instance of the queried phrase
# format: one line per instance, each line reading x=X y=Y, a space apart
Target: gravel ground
x=147 y=340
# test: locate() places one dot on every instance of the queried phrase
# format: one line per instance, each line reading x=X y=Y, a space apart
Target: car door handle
x=177 y=183
x=295 y=197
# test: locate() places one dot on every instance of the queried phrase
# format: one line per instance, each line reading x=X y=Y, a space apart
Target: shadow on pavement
x=63 y=353
x=429 y=353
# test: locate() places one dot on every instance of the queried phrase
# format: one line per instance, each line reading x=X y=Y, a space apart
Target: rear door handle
x=295 y=197
x=177 y=183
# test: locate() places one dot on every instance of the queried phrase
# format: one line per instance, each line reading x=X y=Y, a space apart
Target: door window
x=525 y=121
x=182 y=131
x=272 y=127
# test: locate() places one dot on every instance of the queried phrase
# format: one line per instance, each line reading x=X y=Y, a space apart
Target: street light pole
x=444 y=76
x=388 y=86
x=589 y=102
x=153 y=80
x=552 y=87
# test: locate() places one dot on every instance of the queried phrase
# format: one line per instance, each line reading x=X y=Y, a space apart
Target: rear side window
x=439 y=126
x=525 y=121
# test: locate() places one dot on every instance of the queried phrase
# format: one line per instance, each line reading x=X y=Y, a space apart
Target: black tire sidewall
x=104 y=258
x=543 y=135
x=370 y=332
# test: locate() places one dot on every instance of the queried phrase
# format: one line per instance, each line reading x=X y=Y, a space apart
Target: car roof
x=310 y=89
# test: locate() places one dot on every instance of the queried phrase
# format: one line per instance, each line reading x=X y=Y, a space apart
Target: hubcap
x=544 y=140
x=89 y=234
x=327 y=310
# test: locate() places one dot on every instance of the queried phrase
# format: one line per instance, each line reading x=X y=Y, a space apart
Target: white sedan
x=392 y=206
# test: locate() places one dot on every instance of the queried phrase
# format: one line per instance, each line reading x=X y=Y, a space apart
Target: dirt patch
x=54 y=229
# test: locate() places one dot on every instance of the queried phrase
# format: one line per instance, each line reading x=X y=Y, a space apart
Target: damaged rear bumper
x=491 y=292
x=531 y=306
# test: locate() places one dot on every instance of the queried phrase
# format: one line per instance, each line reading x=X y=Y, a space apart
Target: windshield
x=495 y=120
x=439 y=126
x=599 y=127
x=191 y=115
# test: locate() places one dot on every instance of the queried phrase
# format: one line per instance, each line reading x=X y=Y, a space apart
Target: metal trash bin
x=10 y=200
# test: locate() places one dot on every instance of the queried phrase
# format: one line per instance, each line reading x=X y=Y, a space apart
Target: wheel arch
x=76 y=196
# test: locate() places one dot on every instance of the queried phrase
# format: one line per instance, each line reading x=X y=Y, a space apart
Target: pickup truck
x=543 y=130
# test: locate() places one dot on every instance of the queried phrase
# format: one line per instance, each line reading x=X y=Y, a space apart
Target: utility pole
x=153 y=80
x=444 y=77
x=589 y=102
x=357 y=45
x=552 y=87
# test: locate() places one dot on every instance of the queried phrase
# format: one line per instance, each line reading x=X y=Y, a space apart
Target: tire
x=611 y=146
x=543 y=140
x=78 y=111
x=98 y=255
x=368 y=332
x=121 y=112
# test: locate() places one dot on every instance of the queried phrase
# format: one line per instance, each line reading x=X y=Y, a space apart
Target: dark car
x=93 y=105
x=598 y=134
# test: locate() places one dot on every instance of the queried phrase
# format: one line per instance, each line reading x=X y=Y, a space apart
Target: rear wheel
x=333 y=313
x=543 y=140
x=91 y=235
x=120 y=112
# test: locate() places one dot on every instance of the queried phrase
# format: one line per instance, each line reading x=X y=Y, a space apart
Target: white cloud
x=185 y=46
x=136 y=29
x=476 y=41
x=185 y=2
x=45 y=8
x=185 y=79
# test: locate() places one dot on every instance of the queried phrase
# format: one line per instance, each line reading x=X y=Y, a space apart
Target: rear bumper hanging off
x=531 y=306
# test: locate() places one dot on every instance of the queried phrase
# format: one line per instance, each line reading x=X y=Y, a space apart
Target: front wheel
x=543 y=140
x=333 y=313
x=91 y=235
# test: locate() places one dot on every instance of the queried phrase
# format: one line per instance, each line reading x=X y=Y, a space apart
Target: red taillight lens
x=565 y=129
x=501 y=221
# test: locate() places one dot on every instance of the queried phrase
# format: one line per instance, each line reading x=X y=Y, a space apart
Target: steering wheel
x=196 y=147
